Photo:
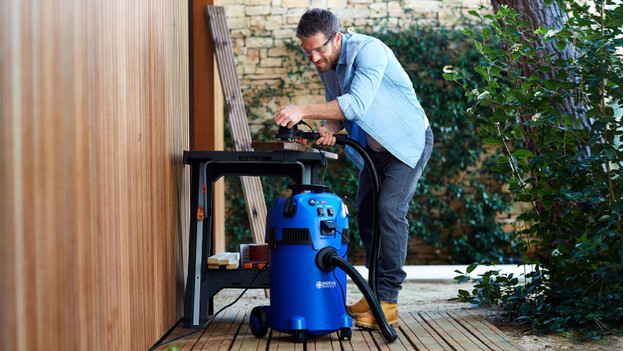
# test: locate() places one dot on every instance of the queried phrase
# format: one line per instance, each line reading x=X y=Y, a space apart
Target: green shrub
x=564 y=165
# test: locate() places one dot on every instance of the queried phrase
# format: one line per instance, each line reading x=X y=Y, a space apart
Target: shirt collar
x=342 y=59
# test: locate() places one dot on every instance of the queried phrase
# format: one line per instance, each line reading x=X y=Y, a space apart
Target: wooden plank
x=360 y=340
x=280 y=341
x=401 y=343
x=484 y=331
x=323 y=343
x=237 y=117
x=453 y=333
x=224 y=258
x=290 y=146
x=419 y=334
x=245 y=340
x=183 y=343
x=202 y=334
x=279 y=146
x=223 y=333
x=235 y=325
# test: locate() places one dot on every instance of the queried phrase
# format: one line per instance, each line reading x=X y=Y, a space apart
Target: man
x=369 y=94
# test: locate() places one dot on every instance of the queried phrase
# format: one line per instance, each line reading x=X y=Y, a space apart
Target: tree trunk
x=549 y=17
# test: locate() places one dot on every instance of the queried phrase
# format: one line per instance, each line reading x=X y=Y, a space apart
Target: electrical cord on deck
x=213 y=316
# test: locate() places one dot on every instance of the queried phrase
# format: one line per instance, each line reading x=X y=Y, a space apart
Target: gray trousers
x=398 y=184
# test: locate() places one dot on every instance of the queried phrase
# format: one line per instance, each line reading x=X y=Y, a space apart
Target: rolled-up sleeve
x=369 y=66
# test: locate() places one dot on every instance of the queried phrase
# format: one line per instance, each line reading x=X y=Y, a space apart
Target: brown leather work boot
x=367 y=320
x=358 y=308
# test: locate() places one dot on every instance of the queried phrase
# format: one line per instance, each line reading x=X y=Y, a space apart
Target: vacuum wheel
x=345 y=334
x=259 y=321
x=300 y=336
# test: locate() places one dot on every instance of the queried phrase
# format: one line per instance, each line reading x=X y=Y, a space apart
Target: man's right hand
x=327 y=138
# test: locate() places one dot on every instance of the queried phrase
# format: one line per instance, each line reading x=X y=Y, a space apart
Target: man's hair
x=315 y=21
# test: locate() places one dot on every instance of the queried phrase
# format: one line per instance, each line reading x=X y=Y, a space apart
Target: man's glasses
x=321 y=49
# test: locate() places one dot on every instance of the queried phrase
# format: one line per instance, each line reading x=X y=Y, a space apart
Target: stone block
x=248 y=69
x=238 y=22
x=347 y=14
x=293 y=16
x=360 y=1
x=378 y=9
x=426 y=5
x=253 y=56
x=259 y=42
x=257 y=10
x=395 y=9
x=273 y=22
x=234 y=11
x=322 y=4
x=258 y=2
x=284 y=34
x=277 y=52
x=271 y=62
x=336 y=4
x=296 y=3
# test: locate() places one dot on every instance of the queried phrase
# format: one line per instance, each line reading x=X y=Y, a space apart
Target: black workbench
x=206 y=168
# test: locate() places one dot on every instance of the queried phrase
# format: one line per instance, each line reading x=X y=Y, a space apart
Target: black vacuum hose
x=376 y=242
x=328 y=259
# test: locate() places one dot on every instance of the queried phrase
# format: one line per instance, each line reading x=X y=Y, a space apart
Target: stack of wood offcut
x=224 y=260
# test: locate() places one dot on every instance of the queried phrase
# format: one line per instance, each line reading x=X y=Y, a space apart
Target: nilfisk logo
x=325 y=285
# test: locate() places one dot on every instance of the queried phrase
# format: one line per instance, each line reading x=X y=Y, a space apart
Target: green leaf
x=561 y=45
x=522 y=153
x=471 y=267
x=491 y=141
x=474 y=13
x=486 y=32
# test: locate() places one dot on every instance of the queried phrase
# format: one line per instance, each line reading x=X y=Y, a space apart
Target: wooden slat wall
x=93 y=192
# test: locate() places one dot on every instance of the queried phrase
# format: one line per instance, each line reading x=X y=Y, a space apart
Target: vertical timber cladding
x=233 y=98
x=93 y=191
x=206 y=106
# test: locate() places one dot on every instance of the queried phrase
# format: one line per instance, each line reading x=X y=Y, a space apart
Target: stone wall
x=261 y=31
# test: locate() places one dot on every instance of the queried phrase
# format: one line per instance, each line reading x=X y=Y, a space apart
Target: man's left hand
x=288 y=116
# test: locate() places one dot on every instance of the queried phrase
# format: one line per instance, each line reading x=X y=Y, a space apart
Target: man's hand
x=327 y=138
x=289 y=116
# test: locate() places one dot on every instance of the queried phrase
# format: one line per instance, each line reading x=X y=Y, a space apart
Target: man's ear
x=338 y=39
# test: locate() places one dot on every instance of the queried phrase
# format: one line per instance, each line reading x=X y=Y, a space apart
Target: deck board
x=456 y=330
x=452 y=333
x=484 y=331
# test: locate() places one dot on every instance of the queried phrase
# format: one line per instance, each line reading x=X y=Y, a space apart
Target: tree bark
x=549 y=17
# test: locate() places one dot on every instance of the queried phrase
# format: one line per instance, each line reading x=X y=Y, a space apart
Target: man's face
x=322 y=51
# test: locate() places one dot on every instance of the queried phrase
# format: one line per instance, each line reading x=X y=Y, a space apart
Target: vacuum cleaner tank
x=303 y=297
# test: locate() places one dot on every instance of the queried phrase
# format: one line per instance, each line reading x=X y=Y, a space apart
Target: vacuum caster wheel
x=300 y=336
x=259 y=321
x=345 y=334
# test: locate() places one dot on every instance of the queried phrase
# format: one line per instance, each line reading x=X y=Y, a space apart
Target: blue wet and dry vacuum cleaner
x=307 y=234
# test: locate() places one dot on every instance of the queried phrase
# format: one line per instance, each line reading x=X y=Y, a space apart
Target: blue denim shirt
x=376 y=97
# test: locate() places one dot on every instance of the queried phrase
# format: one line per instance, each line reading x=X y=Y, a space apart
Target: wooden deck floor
x=440 y=331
